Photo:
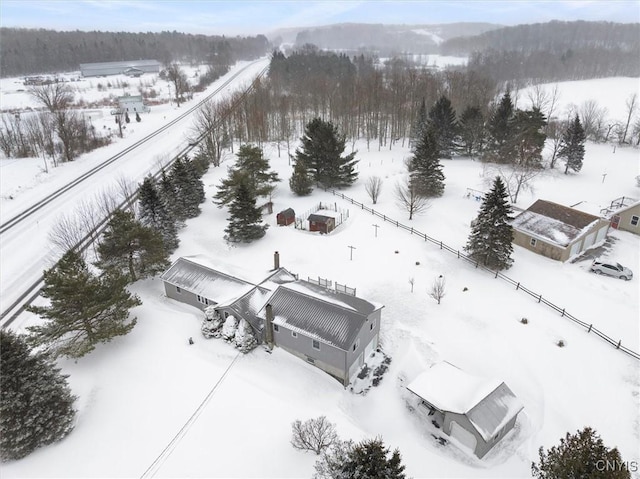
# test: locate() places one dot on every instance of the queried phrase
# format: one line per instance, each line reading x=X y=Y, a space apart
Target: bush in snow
x=212 y=323
x=36 y=404
x=244 y=339
x=313 y=435
x=229 y=328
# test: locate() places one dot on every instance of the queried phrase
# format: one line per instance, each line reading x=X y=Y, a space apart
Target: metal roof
x=331 y=317
x=121 y=64
x=319 y=218
x=288 y=213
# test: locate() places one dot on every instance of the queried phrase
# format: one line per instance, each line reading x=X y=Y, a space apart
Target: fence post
x=412 y=230
x=457 y=251
x=517 y=286
x=562 y=315
x=619 y=343
x=441 y=247
x=540 y=298
x=496 y=274
x=590 y=326
x=397 y=223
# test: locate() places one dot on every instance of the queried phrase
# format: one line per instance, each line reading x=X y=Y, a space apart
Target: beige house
x=624 y=214
x=556 y=231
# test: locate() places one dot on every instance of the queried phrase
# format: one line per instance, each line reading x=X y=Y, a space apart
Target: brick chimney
x=276 y=260
x=268 y=326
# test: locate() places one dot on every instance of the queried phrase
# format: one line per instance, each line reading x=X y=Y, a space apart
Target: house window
x=356 y=344
x=316 y=344
x=202 y=299
x=276 y=328
x=634 y=220
x=372 y=325
x=533 y=242
x=226 y=315
x=311 y=360
x=294 y=334
x=178 y=290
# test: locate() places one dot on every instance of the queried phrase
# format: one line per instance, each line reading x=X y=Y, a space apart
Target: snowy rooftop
x=553 y=222
x=489 y=404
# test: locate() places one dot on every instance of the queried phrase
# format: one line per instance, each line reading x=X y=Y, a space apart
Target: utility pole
x=351 y=252
x=376 y=227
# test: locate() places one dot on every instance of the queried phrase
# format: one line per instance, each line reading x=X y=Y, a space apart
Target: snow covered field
x=137 y=392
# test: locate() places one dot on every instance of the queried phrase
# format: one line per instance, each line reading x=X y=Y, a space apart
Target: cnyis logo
x=631 y=466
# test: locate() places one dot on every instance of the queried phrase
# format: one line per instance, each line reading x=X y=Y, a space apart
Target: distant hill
x=382 y=39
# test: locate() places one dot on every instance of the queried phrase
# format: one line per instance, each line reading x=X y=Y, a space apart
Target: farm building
x=286 y=217
x=624 y=214
x=321 y=222
x=332 y=330
x=556 y=231
x=118 y=68
x=476 y=412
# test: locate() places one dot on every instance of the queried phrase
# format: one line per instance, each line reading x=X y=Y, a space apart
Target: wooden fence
x=496 y=274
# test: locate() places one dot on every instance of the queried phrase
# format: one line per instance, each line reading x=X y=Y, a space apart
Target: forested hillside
x=29 y=51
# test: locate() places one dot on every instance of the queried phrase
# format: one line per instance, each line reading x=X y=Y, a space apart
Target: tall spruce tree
x=498 y=147
x=490 y=241
x=36 y=404
x=420 y=123
x=85 y=310
x=245 y=220
x=471 y=131
x=130 y=248
x=301 y=182
x=572 y=146
x=370 y=460
x=169 y=197
x=426 y=174
x=153 y=213
x=188 y=187
x=321 y=153
x=442 y=120
x=528 y=138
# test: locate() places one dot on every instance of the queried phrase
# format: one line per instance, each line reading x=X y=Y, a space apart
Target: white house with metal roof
x=333 y=330
x=474 y=411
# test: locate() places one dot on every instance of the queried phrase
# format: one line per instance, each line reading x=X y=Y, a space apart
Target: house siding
x=184 y=296
x=625 y=219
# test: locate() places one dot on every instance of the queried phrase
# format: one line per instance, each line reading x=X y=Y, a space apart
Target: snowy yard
x=137 y=392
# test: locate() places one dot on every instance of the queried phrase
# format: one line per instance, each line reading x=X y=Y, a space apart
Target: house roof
x=319 y=218
x=489 y=404
x=248 y=305
x=333 y=318
x=552 y=222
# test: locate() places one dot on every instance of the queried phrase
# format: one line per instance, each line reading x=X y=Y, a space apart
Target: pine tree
x=369 y=460
x=420 y=124
x=321 y=153
x=572 y=146
x=498 y=146
x=527 y=138
x=490 y=241
x=189 y=191
x=442 y=121
x=131 y=248
x=169 y=197
x=582 y=455
x=426 y=173
x=245 y=221
x=301 y=182
x=471 y=131
x=85 y=310
x=36 y=404
x=153 y=213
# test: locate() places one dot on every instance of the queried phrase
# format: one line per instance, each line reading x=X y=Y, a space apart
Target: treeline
x=552 y=51
x=29 y=51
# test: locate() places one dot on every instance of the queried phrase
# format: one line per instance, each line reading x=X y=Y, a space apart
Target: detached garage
x=477 y=413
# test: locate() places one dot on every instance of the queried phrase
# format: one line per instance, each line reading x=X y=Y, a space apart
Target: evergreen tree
x=572 y=146
x=425 y=169
x=498 y=146
x=169 y=197
x=85 y=310
x=252 y=168
x=582 y=455
x=369 y=460
x=420 y=124
x=131 y=248
x=492 y=234
x=442 y=120
x=36 y=404
x=528 y=138
x=188 y=187
x=153 y=213
x=245 y=221
x=301 y=182
x=471 y=131
x=321 y=154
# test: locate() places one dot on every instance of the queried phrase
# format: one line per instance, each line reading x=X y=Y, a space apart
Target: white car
x=612 y=269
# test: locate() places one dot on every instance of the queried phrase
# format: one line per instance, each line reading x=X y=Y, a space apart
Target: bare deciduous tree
x=516 y=178
x=54 y=96
x=409 y=199
x=632 y=105
x=313 y=435
x=67 y=232
x=178 y=79
x=373 y=187
x=437 y=290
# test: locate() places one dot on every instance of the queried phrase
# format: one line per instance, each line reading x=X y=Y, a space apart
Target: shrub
x=313 y=435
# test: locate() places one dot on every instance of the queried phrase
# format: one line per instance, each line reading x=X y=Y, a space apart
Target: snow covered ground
x=137 y=392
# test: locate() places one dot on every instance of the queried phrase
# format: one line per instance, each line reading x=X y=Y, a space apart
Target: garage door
x=463 y=436
x=589 y=240
x=371 y=347
x=602 y=233
x=575 y=249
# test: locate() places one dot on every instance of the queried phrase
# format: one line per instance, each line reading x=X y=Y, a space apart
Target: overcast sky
x=253 y=17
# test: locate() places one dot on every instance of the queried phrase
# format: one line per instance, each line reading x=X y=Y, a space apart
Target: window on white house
x=533 y=242
x=356 y=344
x=372 y=325
x=178 y=290
x=276 y=328
x=202 y=299
x=315 y=344
x=634 y=220
x=294 y=334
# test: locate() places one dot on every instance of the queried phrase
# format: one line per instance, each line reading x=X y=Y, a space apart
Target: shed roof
x=489 y=404
x=331 y=317
x=319 y=218
x=288 y=213
x=121 y=64
x=552 y=222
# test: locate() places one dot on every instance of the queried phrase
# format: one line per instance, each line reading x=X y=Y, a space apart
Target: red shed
x=286 y=217
x=322 y=223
